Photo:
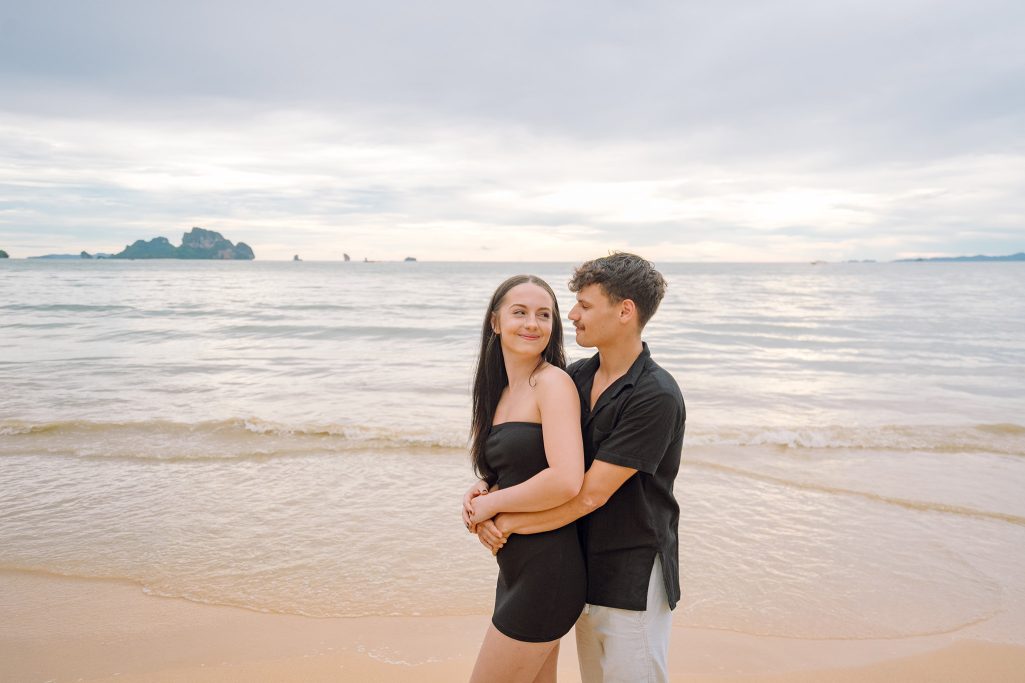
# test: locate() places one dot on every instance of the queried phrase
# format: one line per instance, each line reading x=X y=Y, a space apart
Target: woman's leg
x=550 y=670
x=502 y=658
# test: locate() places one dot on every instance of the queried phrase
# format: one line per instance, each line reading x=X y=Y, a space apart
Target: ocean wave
x=240 y=438
x=65 y=308
x=1002 y=438
x=907 y=503
x=256 y=438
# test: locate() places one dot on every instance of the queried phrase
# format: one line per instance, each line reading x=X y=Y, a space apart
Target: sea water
x=291 y=437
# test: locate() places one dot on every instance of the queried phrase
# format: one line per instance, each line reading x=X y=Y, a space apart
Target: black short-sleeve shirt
x=637 y=422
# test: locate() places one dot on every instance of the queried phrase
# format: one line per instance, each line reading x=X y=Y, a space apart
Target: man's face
x=595 y=316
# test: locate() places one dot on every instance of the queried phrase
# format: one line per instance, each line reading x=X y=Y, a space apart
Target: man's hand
x=491 y=536
x=479 y=488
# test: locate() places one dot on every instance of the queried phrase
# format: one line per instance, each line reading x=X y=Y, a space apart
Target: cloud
x=766 y=131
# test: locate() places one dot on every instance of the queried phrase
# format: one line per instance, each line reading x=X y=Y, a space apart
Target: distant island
x=1020 y=256
x=60 y=257
x=3 y=254
x=196 y=244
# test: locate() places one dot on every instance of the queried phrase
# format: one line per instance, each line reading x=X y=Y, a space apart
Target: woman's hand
x=481 y=509
x=479 y=488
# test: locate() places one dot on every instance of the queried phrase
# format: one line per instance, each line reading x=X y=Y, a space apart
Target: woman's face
x=523 y=320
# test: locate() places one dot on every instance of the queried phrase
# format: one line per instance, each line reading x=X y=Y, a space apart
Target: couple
x=595 y=548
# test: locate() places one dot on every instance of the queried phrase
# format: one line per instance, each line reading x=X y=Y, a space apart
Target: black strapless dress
x=542 y=579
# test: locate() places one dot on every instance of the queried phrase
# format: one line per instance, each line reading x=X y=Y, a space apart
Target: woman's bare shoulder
x=557 y=397
x=552 y=378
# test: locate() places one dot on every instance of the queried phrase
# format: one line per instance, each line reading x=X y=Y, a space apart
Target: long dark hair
x=491 y=378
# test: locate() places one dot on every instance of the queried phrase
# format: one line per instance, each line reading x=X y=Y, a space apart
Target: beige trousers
x=626 y=646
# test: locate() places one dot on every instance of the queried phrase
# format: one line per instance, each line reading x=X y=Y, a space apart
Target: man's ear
x=627 y=310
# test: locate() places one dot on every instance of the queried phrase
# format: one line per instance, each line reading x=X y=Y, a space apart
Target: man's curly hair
x=624 y=276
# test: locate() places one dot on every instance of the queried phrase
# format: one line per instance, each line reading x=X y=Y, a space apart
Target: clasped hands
x=479 y=518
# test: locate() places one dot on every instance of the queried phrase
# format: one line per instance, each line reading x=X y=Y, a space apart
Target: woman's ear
x=494 y=324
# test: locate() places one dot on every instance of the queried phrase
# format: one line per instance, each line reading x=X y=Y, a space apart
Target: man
x=633 y=418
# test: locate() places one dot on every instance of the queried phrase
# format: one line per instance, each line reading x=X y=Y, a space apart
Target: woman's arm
x=559 y=404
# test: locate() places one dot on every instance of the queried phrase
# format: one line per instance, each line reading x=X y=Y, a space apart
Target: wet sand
x=68 y=629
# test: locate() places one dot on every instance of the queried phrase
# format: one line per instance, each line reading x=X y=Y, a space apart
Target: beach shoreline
x=74 y=629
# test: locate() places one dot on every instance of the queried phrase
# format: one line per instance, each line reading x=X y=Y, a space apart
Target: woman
x=527 y=449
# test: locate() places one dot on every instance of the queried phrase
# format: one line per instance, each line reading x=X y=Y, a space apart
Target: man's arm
x=636 y=444
x=600 y=482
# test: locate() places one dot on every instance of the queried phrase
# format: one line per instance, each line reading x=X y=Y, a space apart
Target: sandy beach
x=64 y=629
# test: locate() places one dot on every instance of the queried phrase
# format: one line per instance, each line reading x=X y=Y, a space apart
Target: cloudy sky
x=685 y=131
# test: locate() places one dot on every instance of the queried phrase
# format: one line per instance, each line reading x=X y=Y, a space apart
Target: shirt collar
x=634 y=373
x=586 y=376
